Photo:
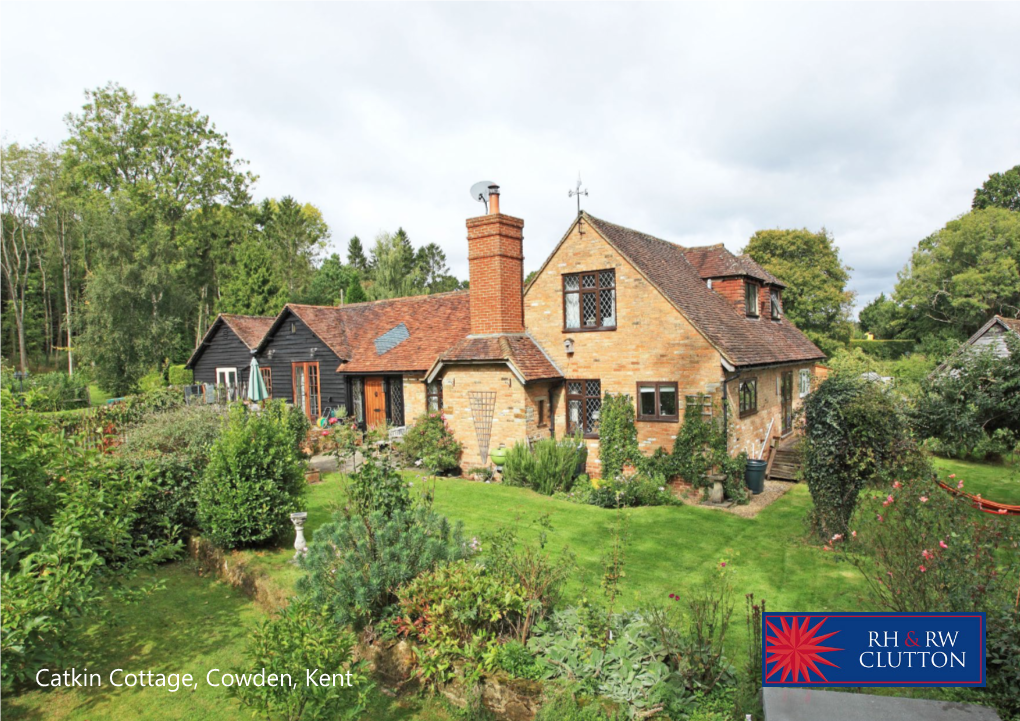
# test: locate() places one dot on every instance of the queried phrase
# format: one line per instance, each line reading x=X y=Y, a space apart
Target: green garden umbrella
x=256 y=386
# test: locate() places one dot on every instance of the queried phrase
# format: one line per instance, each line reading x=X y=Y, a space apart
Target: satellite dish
x=480 y=192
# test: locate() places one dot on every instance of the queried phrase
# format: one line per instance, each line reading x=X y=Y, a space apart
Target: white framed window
x=226 y=377
x=805 y=382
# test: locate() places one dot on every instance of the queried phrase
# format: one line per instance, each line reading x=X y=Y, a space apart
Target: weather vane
x=578 y=193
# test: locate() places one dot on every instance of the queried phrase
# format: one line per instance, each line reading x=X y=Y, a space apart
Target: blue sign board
x=873 y=649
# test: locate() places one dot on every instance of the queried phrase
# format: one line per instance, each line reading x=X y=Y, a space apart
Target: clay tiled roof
x=521 y=352
x=249 y=328
x=327 y=323
x=742 y=341
x=714 y=261
x=433 y=324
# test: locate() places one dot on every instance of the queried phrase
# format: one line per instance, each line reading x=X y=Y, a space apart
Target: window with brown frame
x=267 y=378
x=434 y=396
x=657 y=402
x=777 y=306
x=751 y=298
x=589 y=301
x=748 y=394
x=584 y=406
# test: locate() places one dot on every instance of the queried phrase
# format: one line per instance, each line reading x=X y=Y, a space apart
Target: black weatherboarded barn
x=223 y=356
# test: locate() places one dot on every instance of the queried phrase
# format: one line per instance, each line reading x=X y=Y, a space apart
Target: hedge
x=883 y=349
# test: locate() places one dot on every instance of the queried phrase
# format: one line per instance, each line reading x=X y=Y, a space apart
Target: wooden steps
x=786 y=463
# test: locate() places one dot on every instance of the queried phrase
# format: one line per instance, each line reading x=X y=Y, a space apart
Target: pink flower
x=879 y=517
x=960 y=484
x=926 y=554
x=923 y=569
x=924 y=499
x=1002 y=511
x=853 y=534
x=943 y=544
x=897 y=484
x=952 y=475
x=722 y=565
x=838 y=537
x=889 y=573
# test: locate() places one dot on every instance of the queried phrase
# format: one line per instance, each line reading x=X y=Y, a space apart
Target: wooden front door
x=375 y=402
x=306 y=388
x=786 y=386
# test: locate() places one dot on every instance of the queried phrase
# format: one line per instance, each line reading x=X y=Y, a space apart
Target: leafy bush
x=377 y=486
x=50 y=391
x=883 y=349
x=151 y=381
x=254 y=479
x=972 y=401
x=856 y=434
x=618 y=445
x=431 y=443
x=356 y=563
x=454 y=615
x=701 y=449
x=299 y=639
x=178 y=375
x=565 y=705
x=627 y=492
x=552 y=465
x=515 y=658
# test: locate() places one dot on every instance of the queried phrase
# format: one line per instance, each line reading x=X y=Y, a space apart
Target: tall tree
x=963 y=274
x=880 y=317
x=330 y=283
x=1001 y=190
x=254 y=287
x=355 y=291
x=299 y=233
x=155 y=167
x=394 y=273
x=356 y=255
x=816 y=298
x=20 y=170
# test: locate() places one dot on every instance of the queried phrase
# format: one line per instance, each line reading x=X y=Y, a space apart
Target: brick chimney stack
x=496 y=261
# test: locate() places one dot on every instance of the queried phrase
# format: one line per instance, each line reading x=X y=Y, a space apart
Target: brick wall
x=732 y=289
x=749 y=432
x=539 y=393
x=652 y=342
x=496 y=262
x=509 y=423
x=414 y=397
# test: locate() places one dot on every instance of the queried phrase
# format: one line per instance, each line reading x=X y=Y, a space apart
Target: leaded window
x=589 y=300
x=584 y=406
x=434 y=396
x=657 y=402
x=748 y=396
x=358 y=399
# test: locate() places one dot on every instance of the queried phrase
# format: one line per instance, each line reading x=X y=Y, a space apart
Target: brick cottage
x=612 y=310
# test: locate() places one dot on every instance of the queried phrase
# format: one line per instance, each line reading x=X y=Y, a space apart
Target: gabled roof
x=1007 y=324
x=431 y=325
x=519 y=351
x=250 y=329
x=323 y=320
x=1012 y=324
x=714 y=261
x=742 y=341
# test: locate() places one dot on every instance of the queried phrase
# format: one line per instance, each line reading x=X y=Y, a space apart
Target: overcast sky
x=696 y=123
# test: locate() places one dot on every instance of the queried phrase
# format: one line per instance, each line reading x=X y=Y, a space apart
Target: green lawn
x=994 y=481
x=195 y=624
x=98 y=397
x=668 y=550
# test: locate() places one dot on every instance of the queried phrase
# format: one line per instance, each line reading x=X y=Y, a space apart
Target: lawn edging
x=231 y=567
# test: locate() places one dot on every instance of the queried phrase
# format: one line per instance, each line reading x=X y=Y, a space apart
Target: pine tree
x=356 y=255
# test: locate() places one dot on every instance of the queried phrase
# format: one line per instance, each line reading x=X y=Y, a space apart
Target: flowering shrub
x=550 y=466
x=921 y=549
x=623 y=492
x=431 y=442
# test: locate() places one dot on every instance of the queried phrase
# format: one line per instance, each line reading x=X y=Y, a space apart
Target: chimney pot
x=493 y=200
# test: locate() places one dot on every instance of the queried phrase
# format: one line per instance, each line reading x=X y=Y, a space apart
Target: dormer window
x=751 y=299
x=777 y=306
x=589 y=301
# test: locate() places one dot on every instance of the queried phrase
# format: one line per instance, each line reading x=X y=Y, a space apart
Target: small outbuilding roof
x=250 y=329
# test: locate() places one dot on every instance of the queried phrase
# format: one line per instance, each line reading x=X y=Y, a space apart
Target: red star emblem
x=795 y=650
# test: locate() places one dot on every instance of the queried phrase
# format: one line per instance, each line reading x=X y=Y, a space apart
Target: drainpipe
x=725 y=398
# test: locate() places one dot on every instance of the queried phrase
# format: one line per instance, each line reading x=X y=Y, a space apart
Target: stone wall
x=509 y=422
x=414 y=397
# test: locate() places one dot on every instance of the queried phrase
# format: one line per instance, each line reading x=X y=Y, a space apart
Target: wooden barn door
x=375 y=402
x=306 y=389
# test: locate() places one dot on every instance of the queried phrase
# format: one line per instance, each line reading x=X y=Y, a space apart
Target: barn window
x=267 y=378
x=226 y=377
x=748 y=396
x=589 y=300
x=434 y=396
x=584 y=406
x=657 y=402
